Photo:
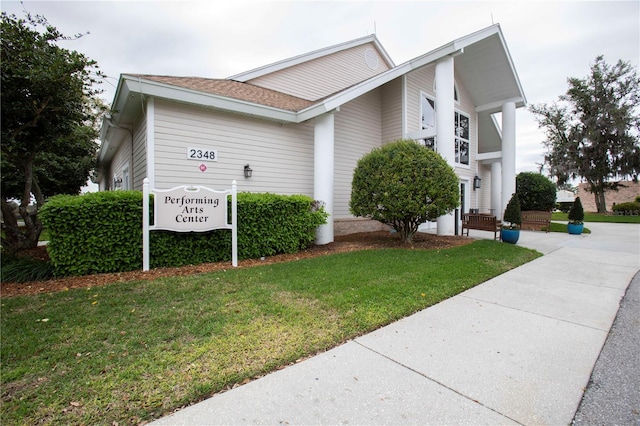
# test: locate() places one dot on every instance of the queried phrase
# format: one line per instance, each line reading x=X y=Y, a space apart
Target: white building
x=301 y=124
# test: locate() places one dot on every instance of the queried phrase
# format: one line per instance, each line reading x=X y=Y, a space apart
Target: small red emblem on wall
x=203 y=167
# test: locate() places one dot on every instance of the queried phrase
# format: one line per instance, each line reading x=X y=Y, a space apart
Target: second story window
x=462 y=138
x=428 y=121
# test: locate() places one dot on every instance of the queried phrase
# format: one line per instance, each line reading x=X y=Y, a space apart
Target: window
x=462 y=138
x=461 y=129
x=428 y=121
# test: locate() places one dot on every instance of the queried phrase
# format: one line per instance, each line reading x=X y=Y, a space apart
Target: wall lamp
x=476 y=182
x=248 y=171
x=117 y=182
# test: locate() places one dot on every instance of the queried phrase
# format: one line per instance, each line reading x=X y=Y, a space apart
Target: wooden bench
x=481 y=222
x=537 y=219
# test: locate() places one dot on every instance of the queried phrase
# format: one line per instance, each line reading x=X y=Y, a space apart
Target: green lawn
x=595 y=217
x=130 y=352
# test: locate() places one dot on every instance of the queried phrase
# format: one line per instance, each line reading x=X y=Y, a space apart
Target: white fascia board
x=489 y=157
x=512 y=66
x=497 y=106
x=104 y=139
x=477 y=36
x=497 y=125
x=383 y=52
x=296 y=60
x=121 y=96
x=161 y=90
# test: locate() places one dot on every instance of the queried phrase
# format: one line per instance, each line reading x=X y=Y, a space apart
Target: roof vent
x=371 y=58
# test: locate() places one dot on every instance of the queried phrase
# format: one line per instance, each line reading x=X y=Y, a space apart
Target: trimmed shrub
x=102 y=232
x=630 y=208
x=564 y=206
x=576 y=214
x=403 y=184
x=535 y=192
x=93 y=233
x=513 y=213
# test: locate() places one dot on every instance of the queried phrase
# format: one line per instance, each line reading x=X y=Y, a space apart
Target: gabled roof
x=296 y=60
x=482 y=60
x=233 y=89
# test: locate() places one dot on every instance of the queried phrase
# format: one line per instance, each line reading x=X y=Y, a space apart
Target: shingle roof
x=233 y=89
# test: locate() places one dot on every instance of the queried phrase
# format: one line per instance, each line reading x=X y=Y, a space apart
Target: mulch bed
x=352 y=242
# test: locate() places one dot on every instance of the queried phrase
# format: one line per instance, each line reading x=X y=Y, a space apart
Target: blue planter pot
x=510 y=236
x=575 y=229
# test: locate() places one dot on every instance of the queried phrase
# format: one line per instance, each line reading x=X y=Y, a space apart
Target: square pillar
x=323 y=171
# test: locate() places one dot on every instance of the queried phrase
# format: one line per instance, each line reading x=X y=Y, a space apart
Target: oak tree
x=49 y=111
x=592 y=131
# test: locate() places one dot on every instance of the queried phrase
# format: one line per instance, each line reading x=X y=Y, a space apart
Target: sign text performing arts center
x=190 y=209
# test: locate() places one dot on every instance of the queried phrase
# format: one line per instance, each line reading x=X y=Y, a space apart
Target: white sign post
x=189 y=209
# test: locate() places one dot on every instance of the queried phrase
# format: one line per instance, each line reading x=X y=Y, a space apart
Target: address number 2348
x=202 y=154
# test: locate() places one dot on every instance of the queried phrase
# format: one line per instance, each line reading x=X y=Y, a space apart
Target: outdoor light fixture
x=247 y=171
x=117 y=182
x=476 y=182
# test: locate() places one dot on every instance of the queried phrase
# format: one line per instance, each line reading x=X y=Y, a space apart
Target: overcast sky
x=549 y=41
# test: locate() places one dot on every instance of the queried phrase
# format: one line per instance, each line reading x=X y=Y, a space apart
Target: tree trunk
x=601 y=201
x=16 y=239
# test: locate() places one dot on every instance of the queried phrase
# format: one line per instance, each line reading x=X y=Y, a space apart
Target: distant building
x=564 y=196
x=623 y=195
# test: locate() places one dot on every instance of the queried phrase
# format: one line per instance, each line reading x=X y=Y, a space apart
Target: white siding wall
x=120 y=159
x=418 y=81
x=139 y=171
x=328 y=74
x=281 y=156
x=357 y=132
x=392 y=110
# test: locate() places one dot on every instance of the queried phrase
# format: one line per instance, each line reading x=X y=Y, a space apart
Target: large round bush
x=535 y=192
x=403 y=184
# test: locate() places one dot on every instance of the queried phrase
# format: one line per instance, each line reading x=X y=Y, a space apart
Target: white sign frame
x=190 y=207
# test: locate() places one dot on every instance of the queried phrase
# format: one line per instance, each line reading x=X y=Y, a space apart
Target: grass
x=596 y=217
x=130 y=352
x=562 y=227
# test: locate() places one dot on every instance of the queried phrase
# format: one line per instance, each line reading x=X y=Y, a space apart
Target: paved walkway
x=517 y=349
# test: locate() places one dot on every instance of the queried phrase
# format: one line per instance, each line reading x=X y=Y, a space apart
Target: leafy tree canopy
x=535 y=191
x=49 y=110
x=403 y=184
x=592 y=132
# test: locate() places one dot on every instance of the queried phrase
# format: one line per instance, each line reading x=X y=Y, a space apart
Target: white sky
x=549 y=41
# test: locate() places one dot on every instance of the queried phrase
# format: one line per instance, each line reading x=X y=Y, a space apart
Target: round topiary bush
x=403 y=184
x=535 y=192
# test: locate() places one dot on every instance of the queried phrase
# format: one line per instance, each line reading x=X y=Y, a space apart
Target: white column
x=496 y=189
x=445 y=127
x=151 y=142
x=323 y=167
x=508 y=152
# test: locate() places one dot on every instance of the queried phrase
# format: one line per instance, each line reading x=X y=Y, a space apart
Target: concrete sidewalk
x=517 y=349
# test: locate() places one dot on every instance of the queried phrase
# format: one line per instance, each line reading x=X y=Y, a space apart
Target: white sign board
x=189 y=209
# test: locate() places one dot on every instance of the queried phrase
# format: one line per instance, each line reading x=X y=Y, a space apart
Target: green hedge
x=102 y=232
x=630 y=208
